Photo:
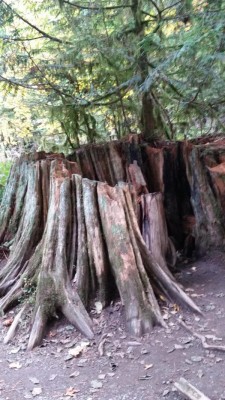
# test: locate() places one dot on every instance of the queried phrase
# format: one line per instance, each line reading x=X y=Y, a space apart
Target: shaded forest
x=73 y=73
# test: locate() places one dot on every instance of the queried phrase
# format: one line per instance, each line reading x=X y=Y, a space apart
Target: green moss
x=103 y=203
x=50 y=297
x=4 y=173
x=29 y=291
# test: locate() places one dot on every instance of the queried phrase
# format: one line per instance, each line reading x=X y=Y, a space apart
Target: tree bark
x=154 y=230
x=204 y=174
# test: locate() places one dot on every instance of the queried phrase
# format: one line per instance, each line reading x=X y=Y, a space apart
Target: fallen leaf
x=111 y=374
x=200 y=374
x=71 y=391
x=96 y=384
x=36 y=391
x=14 y=351
x=119 y=354
x=176 y=307
x=178 y=346
x=28 y=396
x=82 y=362
x=34 y=380
x=8 y=322
x=15 y=365
x=145 y=377
x=52 y=334
x=101 y=376
x=166 y=392
x=134 y=343
x=76 y=351
x=52 y=377
x=98 y=307
x=68 y=357
x=74 y=374
x=148 y=366
x=171 y=350
x=196 y=358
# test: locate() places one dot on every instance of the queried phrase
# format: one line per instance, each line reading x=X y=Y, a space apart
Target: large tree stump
x=70 y=236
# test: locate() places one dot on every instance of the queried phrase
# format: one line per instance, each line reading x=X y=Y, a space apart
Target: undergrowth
x=4 y=173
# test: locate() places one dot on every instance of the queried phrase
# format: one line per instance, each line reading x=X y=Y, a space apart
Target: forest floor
x=116 y=366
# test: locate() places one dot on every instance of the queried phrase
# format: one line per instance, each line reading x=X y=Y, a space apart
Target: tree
x=150 y=66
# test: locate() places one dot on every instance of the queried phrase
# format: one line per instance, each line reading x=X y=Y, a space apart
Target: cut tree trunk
x=154 y=230
x=54 y=289
x=97 y=251
x=141 y=315
x=74 y=238
x=205 y=175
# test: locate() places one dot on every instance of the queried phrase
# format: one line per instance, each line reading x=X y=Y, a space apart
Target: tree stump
x=71 y=236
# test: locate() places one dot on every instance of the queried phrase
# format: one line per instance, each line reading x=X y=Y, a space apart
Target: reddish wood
x=155 y=173
x=137 y=178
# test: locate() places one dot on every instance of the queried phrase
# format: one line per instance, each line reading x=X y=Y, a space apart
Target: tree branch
x=82 y=7
x=45 y=34
x=171 y=6
x=125 y=85
x=154 y=17
x=17 y=39
x=15 y=82
x=156 y=7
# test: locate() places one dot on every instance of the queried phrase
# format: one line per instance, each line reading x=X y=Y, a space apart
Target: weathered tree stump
x=71 y=231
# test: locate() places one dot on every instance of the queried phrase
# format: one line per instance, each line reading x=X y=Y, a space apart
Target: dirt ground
x=116 y=366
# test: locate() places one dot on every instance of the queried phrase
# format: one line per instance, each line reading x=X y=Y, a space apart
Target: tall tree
x=147 y=66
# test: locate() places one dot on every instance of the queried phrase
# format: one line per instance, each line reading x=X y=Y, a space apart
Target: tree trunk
x=154 y=230
x=147 y=116
x=205 y=173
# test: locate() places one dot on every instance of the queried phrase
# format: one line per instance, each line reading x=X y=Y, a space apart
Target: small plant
x=4 y=172
x=29 y=292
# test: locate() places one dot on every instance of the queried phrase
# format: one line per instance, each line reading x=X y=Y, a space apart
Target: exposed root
x=205 y=345
x=167 y=284
x=12 y=330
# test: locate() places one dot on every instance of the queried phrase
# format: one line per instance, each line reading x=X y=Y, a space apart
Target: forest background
x=75 y=72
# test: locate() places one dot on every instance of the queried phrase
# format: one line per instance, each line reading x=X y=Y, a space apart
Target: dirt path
x=129 y=369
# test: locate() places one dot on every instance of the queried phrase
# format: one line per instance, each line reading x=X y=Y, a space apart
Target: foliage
x=28 y=292
x=4 y=172
x=74 y=71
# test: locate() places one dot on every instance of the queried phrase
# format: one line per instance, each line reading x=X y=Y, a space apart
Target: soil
x=129 y=368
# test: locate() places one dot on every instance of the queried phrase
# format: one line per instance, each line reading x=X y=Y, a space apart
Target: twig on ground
x=12 y=330
x=205 y=345
x=101 y=344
